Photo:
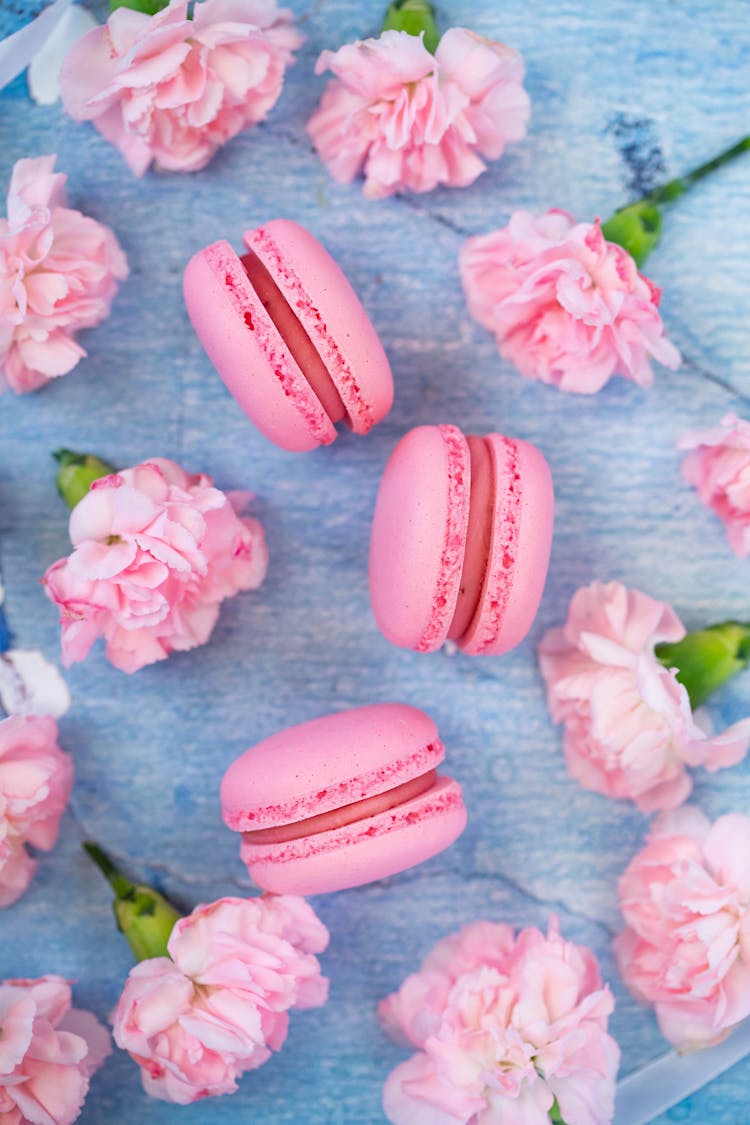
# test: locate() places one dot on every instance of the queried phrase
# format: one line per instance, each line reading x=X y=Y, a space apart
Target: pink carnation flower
x=407 y=119
x=36 y=778
x=58 y=274
x=48 y=1052
x=219 y=1007
x=156 y=551
x=686 y=949
x=566 y=306
x=505 y=1024
x=172 y=89
x=629 y=728
x=718 y=466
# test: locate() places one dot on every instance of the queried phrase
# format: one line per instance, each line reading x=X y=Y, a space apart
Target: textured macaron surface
x=331 y=315
x=328 y=763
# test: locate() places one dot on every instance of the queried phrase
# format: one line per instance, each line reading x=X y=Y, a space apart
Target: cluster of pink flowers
x=218 y=1005
x=504 y=1024
x=718 y=467
x=629 y=728
x=36 y=778
x=565 y=305
x=686 y=949
x=407 y=119
x=58 y=274
x=156 y=551
x=48 y=1052
x=172 y=89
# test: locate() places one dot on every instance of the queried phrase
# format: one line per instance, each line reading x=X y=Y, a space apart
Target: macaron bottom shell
x=362 y=851
x=516 y=538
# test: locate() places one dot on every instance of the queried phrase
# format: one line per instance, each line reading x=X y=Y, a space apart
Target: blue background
x=623 y=93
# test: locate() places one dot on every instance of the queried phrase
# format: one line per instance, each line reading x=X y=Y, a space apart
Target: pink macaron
x=288 y=335
x=342 y=800
x=460 y=541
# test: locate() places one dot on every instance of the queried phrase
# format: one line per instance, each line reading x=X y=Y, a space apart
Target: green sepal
x=417 y=17
x=77 y=473
x=143 y=916
x=636 y=227
x=554 y=1114
x=707 y=658
x=148 y=7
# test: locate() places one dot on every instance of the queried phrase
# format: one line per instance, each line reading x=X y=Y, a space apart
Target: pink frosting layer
x=458 y=473
x=328 y=763
x=294 y=336
x=359 y=853
x=332 y=317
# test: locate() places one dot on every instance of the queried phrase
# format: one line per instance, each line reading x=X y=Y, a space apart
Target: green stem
x=673 y=189
x=416 y=17
x=637 y=225
x=122 y=886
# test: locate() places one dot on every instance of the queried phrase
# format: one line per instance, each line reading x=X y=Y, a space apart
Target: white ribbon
x=41 y=46
x=17 y=51
x=659 y=1085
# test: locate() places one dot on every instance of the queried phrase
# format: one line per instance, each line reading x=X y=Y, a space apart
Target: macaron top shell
x=328 y=763
x=418 y=537
x=331 y=315
x=247 y=350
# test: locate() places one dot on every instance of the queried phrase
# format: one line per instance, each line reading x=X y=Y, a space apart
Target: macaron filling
x=476 y=560
x=293 y=334
x=347 y=814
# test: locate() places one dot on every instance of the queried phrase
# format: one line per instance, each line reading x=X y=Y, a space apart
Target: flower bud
x=415 y=17
x=636 y=227
x=77 y=473
x=707 y=658
x=143 y=915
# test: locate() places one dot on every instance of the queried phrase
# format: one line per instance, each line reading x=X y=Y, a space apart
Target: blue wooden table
x=622 y=92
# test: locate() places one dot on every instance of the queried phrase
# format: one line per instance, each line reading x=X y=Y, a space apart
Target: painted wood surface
x=623 y=92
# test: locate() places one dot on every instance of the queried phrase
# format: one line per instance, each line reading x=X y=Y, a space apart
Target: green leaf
x=415 y=17
x=707 y=658
x=636 y=227
x=148 y=7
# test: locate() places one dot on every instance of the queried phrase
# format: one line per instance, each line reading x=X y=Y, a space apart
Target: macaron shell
x=327 y=763
x=332 y=315
x=249 y=354
x=520 y=549
x=364 y=851
x=419 y=536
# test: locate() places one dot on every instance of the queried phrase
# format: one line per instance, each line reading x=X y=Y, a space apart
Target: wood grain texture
x=664 y=84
